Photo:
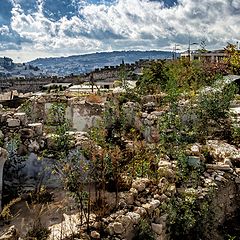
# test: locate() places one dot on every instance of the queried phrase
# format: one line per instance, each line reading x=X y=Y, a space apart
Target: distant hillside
x=85 y=63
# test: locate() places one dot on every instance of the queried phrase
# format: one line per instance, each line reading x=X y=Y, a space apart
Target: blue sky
x=43 y=28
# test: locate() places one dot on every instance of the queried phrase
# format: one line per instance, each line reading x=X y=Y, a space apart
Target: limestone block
x=134 y=216
x=126 y=221
x=148 y=207
x=13 y=122
x=1 y=135
x=37 y=128
x=222 y=167
x=140 y=184
x=157 y=228
x=26 y=133
x=118 y=227
x=195 y=150
x=141 y=211
x=95 y=235
x=155 y=203
x=22 y=117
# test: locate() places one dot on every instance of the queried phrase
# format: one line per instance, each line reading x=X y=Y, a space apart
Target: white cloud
x=126 y=24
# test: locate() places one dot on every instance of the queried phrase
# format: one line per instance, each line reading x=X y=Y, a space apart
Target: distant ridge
x=78 y=64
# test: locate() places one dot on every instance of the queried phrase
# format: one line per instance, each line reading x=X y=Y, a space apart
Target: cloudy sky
x=43 y=28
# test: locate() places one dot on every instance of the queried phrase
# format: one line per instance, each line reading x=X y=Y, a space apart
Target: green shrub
x=37 y=232
x=144 y=231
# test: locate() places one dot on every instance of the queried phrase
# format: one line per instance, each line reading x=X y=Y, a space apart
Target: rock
x=167 y=173
x=237 y=180
x=195 y=150
x=163 y=219
x=222 y=167
x=26 y=133
x=172 y=189
x=157 y=196
x=155 y=203
x=97 y=225
x=11 y=234
x=144 y=115
x=37 y=128
x=157 y=228
x=134 y=191
x=22 y=150
x=134 y=216
x=220 y=178
x=227 y=161
x=140 y=184
x=148 y=207
x=164 y=163
x=110 y=229
x=1 y=135
x=164 y=197
x=95 y=235
x=141 y=211
x=125 y=220
x=33 y=146
x=118 y=228
x=13 y=122
x=22 y=117
x=122 y=204
x=130 y=198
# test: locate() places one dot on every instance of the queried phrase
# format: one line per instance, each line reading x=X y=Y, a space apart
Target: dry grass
x=93 y=98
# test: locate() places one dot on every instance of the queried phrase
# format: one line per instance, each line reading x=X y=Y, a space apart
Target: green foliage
x=214 y=102
x=42 y=196
x=235 y=133
x=76 y=173
x=144 y=231
x=154 y=78
x=185 y=76
x=188 y=217
x=28 y=109
x=56 y=117
x=6 y=214
x=37 y=232
x=233 y=58
x=13 y=170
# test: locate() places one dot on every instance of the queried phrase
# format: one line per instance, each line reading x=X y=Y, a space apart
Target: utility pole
x=189 y=48
x=175 y=48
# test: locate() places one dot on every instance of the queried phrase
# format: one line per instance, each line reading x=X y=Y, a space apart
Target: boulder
x=37 y=128
x=33 y=146
x=118 y=227
x=95 y=235
x=157 y=228
x=13 y=122
x=26 y=133
x=11 y=234
x=134 y=216
x=140 y=184
x=22 y=117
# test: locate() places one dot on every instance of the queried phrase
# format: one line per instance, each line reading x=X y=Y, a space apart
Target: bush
x=37 y=232
x=144 y=231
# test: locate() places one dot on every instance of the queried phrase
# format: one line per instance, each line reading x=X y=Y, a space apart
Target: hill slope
x=88 y=62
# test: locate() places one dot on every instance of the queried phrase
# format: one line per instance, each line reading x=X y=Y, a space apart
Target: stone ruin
x=144 y=197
